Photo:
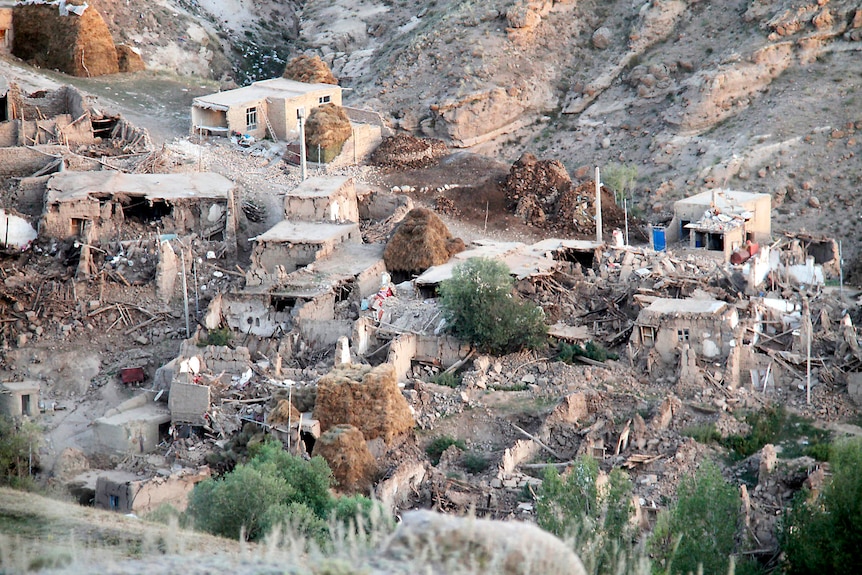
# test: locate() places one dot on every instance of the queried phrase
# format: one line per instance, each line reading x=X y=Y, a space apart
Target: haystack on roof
x=421 y=240
x=309 y=69
x=344 y=449
x=79 y=45
x=327 y=126
x=284 y=413
x=364 y=397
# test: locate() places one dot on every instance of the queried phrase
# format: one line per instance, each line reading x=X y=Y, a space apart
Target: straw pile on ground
x=365 y=397
x=404 y=151
x=421 y=240
x=128 y=59
x=284 y=414
x=326 y=130
x=309 y=69
x=77 y=45
x=344 y=449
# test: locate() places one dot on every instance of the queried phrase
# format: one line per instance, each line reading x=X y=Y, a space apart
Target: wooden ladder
x=268 y=125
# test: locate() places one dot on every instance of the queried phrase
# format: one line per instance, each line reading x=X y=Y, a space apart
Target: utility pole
x=300 y=117
x=807 y=328
x=598 y=207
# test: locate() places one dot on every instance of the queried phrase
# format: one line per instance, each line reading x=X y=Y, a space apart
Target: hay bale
x=421 y=240
x=309 y=69
x=326 y=130
x=129 y=60
x=77 y=45
x=344 y=449
x=365 y=397
x=283 y=413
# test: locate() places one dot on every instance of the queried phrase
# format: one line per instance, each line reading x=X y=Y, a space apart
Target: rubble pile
x=541 y=193
x=404 y=151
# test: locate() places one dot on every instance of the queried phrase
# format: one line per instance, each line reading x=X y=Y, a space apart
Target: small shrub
x=512 y=387
x=567 y=352
x=700 y=530
x=440 y=444
x=220 y=337
x=824 y=535
x=475 y=462
x=703 y=433
x=447 y=379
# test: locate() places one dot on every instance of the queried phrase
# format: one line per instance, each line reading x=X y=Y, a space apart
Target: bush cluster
x=272 y=489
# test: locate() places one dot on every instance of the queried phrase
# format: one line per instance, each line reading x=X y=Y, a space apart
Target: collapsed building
x=98 y=206
x=128 y=493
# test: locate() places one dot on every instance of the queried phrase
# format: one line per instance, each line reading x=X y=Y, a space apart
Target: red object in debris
x=132 y=375
x=740 y=255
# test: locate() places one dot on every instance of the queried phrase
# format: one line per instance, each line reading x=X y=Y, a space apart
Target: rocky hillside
x=759 y=95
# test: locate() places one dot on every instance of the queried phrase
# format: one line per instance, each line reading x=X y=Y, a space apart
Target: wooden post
x=598 y=207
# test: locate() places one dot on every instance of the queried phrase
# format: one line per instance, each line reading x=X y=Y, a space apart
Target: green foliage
x=480 y=306
x=440 y=444
x=702 y=433
x=620 y=178
x=796 y=435
x=18 y=441
x=475 y=462
x=701 y=528
x=447 y=379
x=272 y=489
x=573 y=505
x=221 y=337
x=824 y=534
x=567 y=352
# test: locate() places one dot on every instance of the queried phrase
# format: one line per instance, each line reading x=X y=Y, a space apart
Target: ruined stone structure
x=97 y=206
x=666 y=325
x=19 y=398
x=145 y=495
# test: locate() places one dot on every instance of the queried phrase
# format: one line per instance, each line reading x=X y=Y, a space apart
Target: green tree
x=263 y=493
x=480 y=307
x=700 y=530
x=19 y=449
x=620 y=178
x=573 y=506
x=823 y=534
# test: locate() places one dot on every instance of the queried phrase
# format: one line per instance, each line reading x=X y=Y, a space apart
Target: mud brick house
x=123 y=492
x=295 y=244
x=706 y=326
x=721 y=220
x=98 y=206
x=250 y=110
x=19 y=398
x=323 y=199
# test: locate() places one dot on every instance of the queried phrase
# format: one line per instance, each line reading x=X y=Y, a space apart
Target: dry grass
x=328 y=127
x=344 y=449
x=365 y=397
x=77 y=45
x=421 y=241
x=309 y=69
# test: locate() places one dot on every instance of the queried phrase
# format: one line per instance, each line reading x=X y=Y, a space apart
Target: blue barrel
x=658 y=241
